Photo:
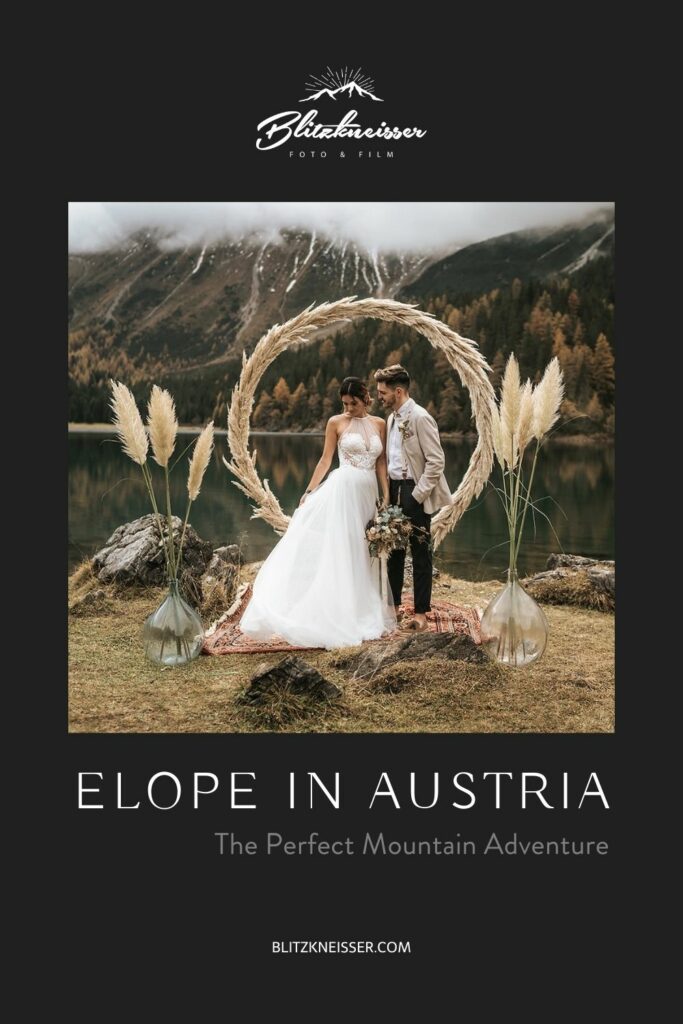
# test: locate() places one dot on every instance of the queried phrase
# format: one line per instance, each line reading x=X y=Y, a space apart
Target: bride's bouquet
x=390 y=529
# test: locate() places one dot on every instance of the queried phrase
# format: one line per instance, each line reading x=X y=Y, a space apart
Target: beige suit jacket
x=425 y=459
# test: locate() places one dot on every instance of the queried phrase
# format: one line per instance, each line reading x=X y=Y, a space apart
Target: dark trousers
x=400 y=494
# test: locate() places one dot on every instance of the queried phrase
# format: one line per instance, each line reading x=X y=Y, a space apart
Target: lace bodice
x=360 y=444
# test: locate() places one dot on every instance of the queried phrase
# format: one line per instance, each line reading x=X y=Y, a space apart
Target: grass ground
x=113 y=688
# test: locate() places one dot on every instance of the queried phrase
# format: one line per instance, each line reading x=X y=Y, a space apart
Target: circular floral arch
x=463 y=355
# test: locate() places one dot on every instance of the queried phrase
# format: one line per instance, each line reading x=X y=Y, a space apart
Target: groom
x=415 y=463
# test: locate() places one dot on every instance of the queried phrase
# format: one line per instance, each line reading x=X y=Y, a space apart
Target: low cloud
x=394 y=227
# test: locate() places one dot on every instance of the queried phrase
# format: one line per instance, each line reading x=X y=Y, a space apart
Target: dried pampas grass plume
x=128 y=423
x=510 y=401
x=547 y=399
x=510 y=397
x=524 y=413
x=497 y=432
x=525 y=426
x=199 y=461
x=162 y=424
x=504 y=444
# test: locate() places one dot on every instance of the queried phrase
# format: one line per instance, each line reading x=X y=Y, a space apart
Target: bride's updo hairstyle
x=355 y=387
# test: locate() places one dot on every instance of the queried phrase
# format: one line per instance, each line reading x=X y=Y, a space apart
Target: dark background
x=150 y=906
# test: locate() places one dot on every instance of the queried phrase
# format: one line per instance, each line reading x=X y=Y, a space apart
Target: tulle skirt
x=319 y=587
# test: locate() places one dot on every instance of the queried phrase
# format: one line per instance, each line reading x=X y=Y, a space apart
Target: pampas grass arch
x=462 y=354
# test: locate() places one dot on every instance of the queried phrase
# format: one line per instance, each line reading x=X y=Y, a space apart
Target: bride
x=319 y=587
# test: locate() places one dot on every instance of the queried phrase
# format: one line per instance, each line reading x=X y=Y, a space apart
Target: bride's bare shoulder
x=380 y=421
x=334 y=422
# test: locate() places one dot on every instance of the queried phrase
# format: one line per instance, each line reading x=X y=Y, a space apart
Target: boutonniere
x=405 y=429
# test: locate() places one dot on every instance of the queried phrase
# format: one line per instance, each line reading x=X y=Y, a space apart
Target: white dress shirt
x=394 y=460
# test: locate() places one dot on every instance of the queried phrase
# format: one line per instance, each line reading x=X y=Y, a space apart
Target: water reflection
x=106 y=489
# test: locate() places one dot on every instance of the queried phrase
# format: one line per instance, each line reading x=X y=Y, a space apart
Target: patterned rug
x=226 y=637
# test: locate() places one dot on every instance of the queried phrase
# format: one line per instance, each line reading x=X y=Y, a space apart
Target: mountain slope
x=537 y=253
x=183 y=317
x=202 y=305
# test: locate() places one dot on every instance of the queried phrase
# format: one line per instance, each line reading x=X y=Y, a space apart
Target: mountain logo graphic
x=344 y=83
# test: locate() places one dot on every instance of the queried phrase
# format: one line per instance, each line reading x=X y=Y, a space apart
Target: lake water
x=106 y=489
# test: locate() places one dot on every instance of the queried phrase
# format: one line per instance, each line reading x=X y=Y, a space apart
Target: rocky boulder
x=442 y=646
x=291 y=690
x=575 y=579
x=134 y=554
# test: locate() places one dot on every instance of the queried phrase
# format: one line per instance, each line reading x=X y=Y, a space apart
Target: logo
x=331 y=87
x=340 y=83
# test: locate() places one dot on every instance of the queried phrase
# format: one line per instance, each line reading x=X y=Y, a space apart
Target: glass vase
x=173 y=634
x=514 y=629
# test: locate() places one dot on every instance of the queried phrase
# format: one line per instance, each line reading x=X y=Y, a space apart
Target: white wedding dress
x=319 y=587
